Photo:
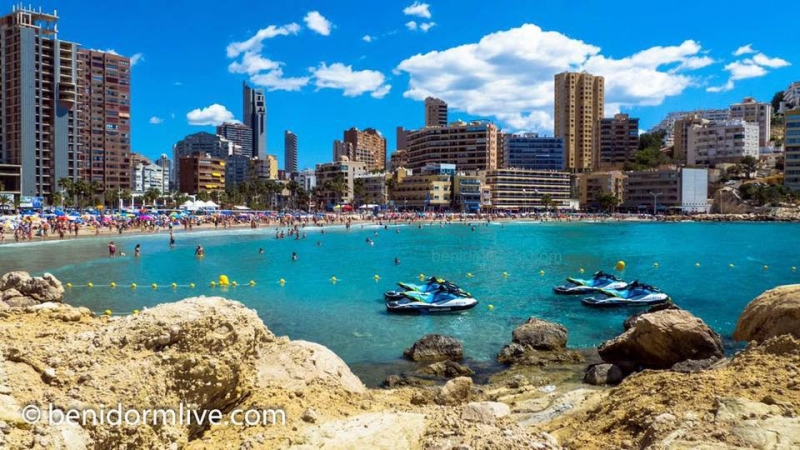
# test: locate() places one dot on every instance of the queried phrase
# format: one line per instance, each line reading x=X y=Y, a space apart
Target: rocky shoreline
x=663 y=383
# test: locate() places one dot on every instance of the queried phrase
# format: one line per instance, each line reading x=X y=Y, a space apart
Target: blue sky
x=487 y=60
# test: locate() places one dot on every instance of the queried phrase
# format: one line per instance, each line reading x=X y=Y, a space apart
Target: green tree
x=5 y=201
x=151 y=195
x=652 y=140
x=547 y=202
x=607 y=201
x=749 y=164
x=776 y=101
x=359 y=191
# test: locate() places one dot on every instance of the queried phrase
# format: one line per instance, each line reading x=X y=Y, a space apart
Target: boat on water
x=634 y=294
x=600 y=280
x=441 y=301
x=433 y=284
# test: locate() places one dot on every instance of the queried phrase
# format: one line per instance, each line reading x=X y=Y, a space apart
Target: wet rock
x=603 y=374
x=662 y=339
x=435 y=347
x=446 y=369
x=773 y=313
x=455 y=391
x=538 y=343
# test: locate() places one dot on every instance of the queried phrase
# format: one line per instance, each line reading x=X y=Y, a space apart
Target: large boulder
x=537 y=342
x=15 y=285
x=655 y=308
x=772 y=313
x=435 y=347
x=456 y=391
x=662 y=339
x=602 y=374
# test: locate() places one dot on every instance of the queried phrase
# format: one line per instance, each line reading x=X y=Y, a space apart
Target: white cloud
x=155 y=120
x=316 y=22
x=509 y=74
x=353 y=83
x=418 y=9
x=254 y=45
x=137 y=58
x=741 y=70
x=177 y=83
x=426 y=26
x=774 y=63
x=275 y=81
x=210 y=115
x=411 y=25
x=744 y=50
x=728 y=86
x=367 y=38
x=109 y=51
x=252 y=63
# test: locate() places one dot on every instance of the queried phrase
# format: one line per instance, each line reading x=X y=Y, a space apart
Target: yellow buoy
x=223 y=280
x=541 y=273
x=620 y=266
x=89 y=284
x=282 y=281
x=252 y=283
x=191 y=285
x=491 y=306
x=154 y=286
x=113 y=285
x=135 y=312
x=69 y=285
x=794 y=269
x=133 y=285
x=213 y=284
x=334 y=280
x=108 y=312
x=505 y=274
x=234 y=283
x=731 y=265
x=469 y=275
x=376 y=277
x=421 y=276
x=581 y=271
x=174 y=285
x=766 y=267
x=655 y=264
x=697 y=264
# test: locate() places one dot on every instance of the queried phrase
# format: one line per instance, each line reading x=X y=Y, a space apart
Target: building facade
x=105 y=118
x=39 y=121
x=579 y=106
x=676 y=189
x=590 y=185
x=522 y=190
x=289 y=152
x=529 y=151
x=375 y=190
x=759 y=113
x=467 y=190
x=681 y=135
x=367 y=146
x=204 y=143
x=255 y=116
x=792 y=152
x=791 y=96
x=399 y=159
x=307 y=179
x=401 y=136
x=237 y=170
x=148 y=176
x=329 y=174
x=618 y=141
x=668 y=123
x=435 y=112
x=470 y=146
x=201 y=173
x=721 y=142
x=240 y=134
x=429 y=189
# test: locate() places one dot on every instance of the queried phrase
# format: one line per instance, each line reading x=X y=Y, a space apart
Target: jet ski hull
x=574 y=289
x=617 y=302
x=408 y=306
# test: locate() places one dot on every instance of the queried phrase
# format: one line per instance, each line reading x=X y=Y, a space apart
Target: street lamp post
x=655 y=200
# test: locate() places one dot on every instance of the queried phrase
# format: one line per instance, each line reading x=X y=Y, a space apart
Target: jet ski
x=635 y=294
x=433 y=285
x=600 y=280
x=440 y=301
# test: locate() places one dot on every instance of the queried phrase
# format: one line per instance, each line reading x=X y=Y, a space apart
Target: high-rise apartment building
x=201 y=173
x=341 y=148
x=470 y=146
x=435 y=112
x=369 y=146
x=792 y=143
x=202 y=143
x=529 y=151
x=722 y=142
x=680 y=139
x=401 y=136
x=238 y=133
x=579 y=106
x=39 y=129
x=760 y=113
x=255 y=117
x=165 y=163
x=105 y=118
x=289 y=152
x=791 y=96
x=618 y=141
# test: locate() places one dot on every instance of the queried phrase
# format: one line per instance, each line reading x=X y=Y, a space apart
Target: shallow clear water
x=349 y=316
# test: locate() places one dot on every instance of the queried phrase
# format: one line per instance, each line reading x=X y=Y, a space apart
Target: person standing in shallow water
x=112 y=249
x=137 y=251
x=199 y=251
x=294 y=256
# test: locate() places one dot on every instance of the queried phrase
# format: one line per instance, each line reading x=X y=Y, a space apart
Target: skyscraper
x=369 y=146
x=240 y=134
x=618 y=141
x=290 y=152
x=579 y=105
x=40 y=130
x=435 y=112
x=105 y=118
x=255 y=117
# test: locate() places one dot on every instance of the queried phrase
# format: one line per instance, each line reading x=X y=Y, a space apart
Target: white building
x=791 y=96
x=668 y=123
x=721 y=142
x=307 y=179
x=149 y=176
x=662 y=190
x=752 y=111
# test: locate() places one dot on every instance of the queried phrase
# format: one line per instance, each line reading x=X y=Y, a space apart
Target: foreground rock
x=435 y=347
x=537 y=343
x=662 y=339
x=446 y=369
x=772 y=313
x=20 y=289
x=602 y=374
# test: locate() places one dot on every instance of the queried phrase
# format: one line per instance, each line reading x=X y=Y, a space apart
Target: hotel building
x=579 y=106
x=469 y=146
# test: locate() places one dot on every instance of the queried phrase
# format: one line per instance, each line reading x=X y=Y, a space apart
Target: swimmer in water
x=199 y=251
x=396 y=261
x=138 y=250
x=261 y=251
x=294 y=256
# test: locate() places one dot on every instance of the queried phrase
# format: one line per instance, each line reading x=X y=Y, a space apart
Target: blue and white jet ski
x=600 y=280
x=433 y=285
x=440 y=301
x=635 y=294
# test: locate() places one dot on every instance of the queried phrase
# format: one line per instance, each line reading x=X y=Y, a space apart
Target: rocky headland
x=663 y=383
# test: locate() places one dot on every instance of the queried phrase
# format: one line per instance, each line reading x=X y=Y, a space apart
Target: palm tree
x=5 y=201
x=547 y=202
x=58 y=199
x=293 y=188
x=68 y=185
x=151 y=195
x=359 y=190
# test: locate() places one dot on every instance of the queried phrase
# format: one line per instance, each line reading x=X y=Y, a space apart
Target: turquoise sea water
x=349 y=316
